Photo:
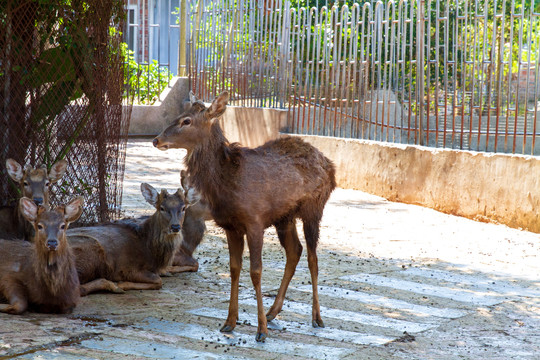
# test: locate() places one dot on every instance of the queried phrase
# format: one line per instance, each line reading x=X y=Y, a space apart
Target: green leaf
x=53 y=65
x=52 y=103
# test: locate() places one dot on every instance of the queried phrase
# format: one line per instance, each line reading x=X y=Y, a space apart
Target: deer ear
x=28 y=208
x=149 y=193
x=192 y=98
x=180 y=192
x=194 y=103
x=73 y=209
x=192 y=197
x=183 y=178
x=218 y=106
x=15 y=170
x=57 y=171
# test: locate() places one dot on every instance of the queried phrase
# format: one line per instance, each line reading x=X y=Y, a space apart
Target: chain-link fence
x=61 y=87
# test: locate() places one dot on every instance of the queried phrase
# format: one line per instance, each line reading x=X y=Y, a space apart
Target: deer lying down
x=130 y=255
x=35 y=184
x=193 y=228
x=41 y=275
x=248 y=190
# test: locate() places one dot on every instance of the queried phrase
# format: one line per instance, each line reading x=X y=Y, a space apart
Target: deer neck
x=160 y=244
x=211 y=163
x=56 y=276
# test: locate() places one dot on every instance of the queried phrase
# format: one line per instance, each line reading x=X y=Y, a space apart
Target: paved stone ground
x=397 y=281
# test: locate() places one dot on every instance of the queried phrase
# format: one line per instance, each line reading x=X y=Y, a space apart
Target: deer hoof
x=226 y=328
x=270 y=317
x=318 y=323
x=118 y=290
x=261 y=337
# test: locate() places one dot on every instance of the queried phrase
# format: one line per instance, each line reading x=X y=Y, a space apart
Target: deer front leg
x=255 y=244
x=144 y=280
x=15 y=294
x=236 y=248
x=100 y=285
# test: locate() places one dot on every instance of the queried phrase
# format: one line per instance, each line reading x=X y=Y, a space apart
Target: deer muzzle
x=156 y=143
x=176 y=228
x=52 y=244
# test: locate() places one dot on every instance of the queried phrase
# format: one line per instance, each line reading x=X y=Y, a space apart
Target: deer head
x=170 y=208
x=36 y=182
x=193 y=126
x=50 y=226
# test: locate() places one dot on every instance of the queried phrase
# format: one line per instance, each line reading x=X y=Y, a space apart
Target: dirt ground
x=396 y=281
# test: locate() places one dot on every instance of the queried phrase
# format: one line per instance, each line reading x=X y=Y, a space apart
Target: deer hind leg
x=143 y=280
x=288 y=237
x=14 y=293
x=255 y=243
x=236 y=248
x=311 y=232
x=100 y=285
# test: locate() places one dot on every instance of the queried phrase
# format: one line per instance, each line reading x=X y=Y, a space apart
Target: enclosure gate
x=453 y=74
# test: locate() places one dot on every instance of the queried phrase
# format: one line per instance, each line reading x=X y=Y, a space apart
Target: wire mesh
x=61 y=86
x=462 y=74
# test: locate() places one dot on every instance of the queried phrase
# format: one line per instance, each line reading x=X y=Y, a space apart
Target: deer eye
x=162 y=208
x=183 y=208
x=63 y=227
x=47 y=183
x=40 y=226
x=186 y=121
x=25 y=183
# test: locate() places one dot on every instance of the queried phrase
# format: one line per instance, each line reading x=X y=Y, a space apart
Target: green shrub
x=143 y=82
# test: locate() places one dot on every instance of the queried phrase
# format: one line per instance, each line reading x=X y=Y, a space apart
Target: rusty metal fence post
x=183 y=40
x=420 y=72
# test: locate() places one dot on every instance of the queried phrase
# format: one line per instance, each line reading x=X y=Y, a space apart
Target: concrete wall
x=252 y=127
x=151 y=119
x=486 y=187
x=248 y=126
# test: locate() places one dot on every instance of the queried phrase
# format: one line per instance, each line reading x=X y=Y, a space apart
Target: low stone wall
x=148 y=120
x=487 y=187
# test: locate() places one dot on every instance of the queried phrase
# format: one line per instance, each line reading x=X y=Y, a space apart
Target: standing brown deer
x=130 y=253
x=193 y=228
x=35 y=184
x=41 y=275
x=249 y=190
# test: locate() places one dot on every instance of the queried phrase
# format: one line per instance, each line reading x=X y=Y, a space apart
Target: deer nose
x=52 y=244
x=175 y=228
x=155 y=142
x=38 y=200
